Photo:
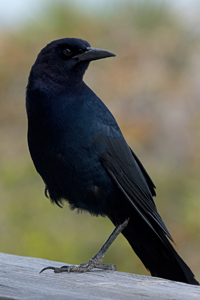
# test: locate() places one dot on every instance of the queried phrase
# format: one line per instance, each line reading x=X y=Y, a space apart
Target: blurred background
x=152 y=87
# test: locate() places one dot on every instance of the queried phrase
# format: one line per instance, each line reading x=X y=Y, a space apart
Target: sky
x=15 y=12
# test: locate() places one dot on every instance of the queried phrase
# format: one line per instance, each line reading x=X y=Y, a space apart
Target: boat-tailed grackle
x=78 y=149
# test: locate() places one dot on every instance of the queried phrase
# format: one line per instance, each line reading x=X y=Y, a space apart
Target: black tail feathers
x=159 y=258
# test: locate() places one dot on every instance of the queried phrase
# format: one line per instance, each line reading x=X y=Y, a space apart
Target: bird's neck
x=56 y=79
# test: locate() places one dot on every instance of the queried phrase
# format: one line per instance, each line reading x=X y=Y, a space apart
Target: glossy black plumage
x=79 y=151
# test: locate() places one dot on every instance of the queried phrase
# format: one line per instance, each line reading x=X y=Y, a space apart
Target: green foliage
x=146 y=16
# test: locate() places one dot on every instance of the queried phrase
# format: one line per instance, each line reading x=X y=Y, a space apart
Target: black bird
x=78 y=149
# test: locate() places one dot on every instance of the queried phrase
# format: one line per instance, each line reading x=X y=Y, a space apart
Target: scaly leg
x=96 y=260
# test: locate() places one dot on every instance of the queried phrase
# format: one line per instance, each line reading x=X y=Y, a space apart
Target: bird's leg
x=96 y=260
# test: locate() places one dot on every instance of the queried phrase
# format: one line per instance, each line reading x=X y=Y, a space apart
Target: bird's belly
x=78 y=178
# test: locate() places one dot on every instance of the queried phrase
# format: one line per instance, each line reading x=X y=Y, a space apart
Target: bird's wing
x=129 y=174
x=145 y=174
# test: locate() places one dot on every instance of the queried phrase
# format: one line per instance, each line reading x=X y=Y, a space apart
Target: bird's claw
x=85 y=267
x=56 y=270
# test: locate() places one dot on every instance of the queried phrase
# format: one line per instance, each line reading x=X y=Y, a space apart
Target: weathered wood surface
x=20 y=279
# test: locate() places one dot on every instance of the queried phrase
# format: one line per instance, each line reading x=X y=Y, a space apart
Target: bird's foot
x=96 y=260
x=91 y=264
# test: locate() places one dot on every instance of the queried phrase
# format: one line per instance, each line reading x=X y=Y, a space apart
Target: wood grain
x=20 y=279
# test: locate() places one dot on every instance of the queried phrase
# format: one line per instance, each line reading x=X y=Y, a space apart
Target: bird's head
x=69 y=56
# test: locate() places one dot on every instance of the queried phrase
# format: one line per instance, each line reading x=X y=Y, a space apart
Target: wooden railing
x=20 y=279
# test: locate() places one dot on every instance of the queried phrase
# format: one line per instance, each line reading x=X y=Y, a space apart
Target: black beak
x=93 y=54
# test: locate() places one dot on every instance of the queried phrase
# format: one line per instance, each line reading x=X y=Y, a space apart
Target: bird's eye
x=67 y=52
